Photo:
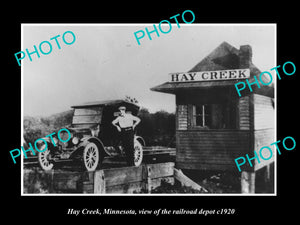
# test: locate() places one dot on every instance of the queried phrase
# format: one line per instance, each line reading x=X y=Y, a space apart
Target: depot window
x=213 y=116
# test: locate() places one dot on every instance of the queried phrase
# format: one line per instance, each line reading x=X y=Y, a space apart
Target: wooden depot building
x=213 y=124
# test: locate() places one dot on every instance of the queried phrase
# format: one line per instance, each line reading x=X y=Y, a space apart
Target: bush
x=157 y=129
x=176 y=188
x=35 y=127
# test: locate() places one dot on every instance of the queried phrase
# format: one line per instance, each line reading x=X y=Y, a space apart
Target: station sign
x=210 y=75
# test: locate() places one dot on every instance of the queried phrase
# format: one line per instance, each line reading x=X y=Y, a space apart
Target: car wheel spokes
x=138 y=154
x=91 y=156
x=44 y=161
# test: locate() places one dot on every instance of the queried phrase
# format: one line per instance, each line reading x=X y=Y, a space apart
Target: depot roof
x=224 y=57
x=116 y=102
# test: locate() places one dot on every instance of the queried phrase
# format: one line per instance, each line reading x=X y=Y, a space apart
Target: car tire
x=91 y=156
x=138 y=153
x=44 y=162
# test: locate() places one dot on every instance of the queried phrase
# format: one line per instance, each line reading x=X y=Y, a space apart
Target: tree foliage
x=156 y=128
x=37 y=127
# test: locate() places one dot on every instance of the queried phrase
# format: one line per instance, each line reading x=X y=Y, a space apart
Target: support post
x=149 y=181
x=99 y=182
x=51 y=173
x=247 y=182
x=267 y=175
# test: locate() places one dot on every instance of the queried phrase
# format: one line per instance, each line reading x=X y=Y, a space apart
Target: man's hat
x=122 y=107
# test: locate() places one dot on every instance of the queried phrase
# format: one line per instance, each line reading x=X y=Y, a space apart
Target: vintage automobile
x=93 y=136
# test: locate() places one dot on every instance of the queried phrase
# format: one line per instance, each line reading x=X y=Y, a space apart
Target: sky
x=105 y=61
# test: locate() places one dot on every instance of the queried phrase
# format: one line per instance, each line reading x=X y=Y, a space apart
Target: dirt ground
x=218 y=183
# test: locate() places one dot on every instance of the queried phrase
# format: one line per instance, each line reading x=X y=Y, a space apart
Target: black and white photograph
x=149 y=112
x=165 y=109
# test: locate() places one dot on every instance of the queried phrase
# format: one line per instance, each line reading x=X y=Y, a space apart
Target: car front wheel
x=91 y=156
x=43 y=158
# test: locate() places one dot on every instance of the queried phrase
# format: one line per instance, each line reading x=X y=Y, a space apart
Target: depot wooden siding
x=264 y=137
x=264 y=124
x=244 y=113
x=210 y=150
x=263 y=112
x=182 y=117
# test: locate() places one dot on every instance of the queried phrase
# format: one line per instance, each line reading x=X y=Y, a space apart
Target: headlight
x=41 y=146
x=55 y=140
x=75 y=140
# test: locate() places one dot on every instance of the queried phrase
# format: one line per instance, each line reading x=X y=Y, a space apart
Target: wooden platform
x=120 y=180
x=151 y=154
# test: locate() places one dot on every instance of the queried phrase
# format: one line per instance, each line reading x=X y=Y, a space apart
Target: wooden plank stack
x=119 y=180
x=131 y=179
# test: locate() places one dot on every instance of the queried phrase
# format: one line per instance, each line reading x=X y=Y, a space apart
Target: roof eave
x=104 y=103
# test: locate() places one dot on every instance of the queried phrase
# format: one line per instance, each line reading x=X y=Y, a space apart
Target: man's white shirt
x=126 y=120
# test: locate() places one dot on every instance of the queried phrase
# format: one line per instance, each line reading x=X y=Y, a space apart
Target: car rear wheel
x=43 y=158
x=138 y=153
x=91 y=156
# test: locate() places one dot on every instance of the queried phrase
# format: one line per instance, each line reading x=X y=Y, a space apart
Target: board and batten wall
x=264 y=127
x=211 y=149
x=244 y=113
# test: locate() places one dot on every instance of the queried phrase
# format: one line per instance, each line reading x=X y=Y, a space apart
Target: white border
x=142 y=24
x=22 y=117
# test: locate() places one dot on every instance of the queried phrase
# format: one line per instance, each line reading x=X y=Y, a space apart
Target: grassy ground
x=37 y=181
x=212 y=182
x=218 y=183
